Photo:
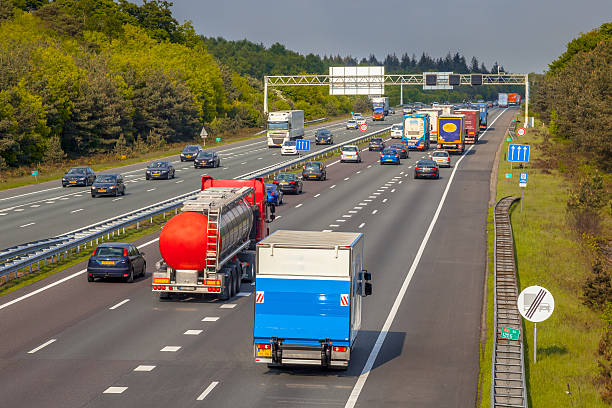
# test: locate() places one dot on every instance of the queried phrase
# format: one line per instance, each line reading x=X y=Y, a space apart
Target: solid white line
x=299 y=205
x=27 y=225
x=352 y=400
x=361 y=225
x=144 y=368
x=119 y=304
x=34 y=350
x=317 y=195
x=207 y=390
x=27 y=194
x=2 y=214
x=76 y=211
x=115 y=390
x=210 y=319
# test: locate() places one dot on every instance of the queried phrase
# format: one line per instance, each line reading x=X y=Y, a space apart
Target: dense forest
x=79 y=77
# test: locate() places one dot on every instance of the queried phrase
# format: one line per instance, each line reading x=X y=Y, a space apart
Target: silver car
x=352 y=124
x=350 y=153
x=441 y=157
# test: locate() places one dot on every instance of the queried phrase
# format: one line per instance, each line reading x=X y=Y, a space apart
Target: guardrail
x=508 y=387
x=25 y=256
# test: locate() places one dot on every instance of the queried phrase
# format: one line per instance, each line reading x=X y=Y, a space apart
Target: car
x=159 y=170
x=396 y=131
x=361 y=121
x=275 y=195
x=190 y=152
x=357 y=115
x=352 y=124
x=116 y=260
x=401 y=149
x=442 y=157
x=314 y=170
x=289 y=147
x=207 y=158
x=324 y=136
x=108 y=184
x=376 y=144
x=289 y=182
x=407 y=111
x=391 y=111
x=389 y=156
x=489 y=104
x=426 y=168
x=350 y=153
x=79 y=176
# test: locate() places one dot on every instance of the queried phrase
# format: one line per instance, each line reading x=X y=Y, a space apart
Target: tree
x=54 y=153
x=6 y=10
x=121 y=147
x=474 y=65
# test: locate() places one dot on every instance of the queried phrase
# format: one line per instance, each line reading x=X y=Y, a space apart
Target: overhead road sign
x=518 y=153
x=536 y=304
x=356 y=80
x=438 y=80
x=302 y=145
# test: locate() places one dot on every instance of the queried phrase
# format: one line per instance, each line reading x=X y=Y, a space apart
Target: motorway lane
x=55 y=212
x=391 y=241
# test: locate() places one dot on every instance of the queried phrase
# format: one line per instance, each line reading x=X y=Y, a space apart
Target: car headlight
x=111 y=187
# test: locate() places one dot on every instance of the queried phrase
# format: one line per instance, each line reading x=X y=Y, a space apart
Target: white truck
x=285 y=125
x=434 y=114
x=447 y=109
x=381 y=102
x=502 y=100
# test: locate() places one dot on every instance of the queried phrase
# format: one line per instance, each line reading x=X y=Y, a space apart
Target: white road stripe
x=340 y=220
x=210 y=319
x=144 y=368
x=119 y=304
x=346 y=178
x=45 y=344
x=299 y=205
x=27 y=225
x=228 y=306
x=384 y=200
x=207 y=390
x=2 y=214
x=347 y=216
x=327 y=230
x=334 y=225
x=35 y=205
x=193 y=332
x=115 y=390
x=151 y=189
x=179 y=181
x=76 y=211
x=27 y=194
x=172 y=349
x=118 y=198
x=317 y=195
x=332 y=186
x=374 y=212
x=361 y=225
x=18 y=209
x=393 y=190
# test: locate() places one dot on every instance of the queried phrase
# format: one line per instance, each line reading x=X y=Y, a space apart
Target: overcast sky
x=524 y=36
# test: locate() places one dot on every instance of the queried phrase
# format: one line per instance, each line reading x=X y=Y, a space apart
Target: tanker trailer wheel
x=237 y=277
x=228 y=291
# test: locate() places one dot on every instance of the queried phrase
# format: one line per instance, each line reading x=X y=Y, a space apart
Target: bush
x=584 y=204
x=605 y=353
x=597 y=290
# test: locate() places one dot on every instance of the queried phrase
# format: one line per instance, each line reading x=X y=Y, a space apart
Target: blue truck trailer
x=416 y=128
x=483 y=107
x=308 y=297
x=451 y=133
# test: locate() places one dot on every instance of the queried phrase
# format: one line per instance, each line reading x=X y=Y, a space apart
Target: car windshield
x=109 y=251
x=389 y=151
x=440 y=154
x=349 y=149
x=278 y=125
x=191 y=149
x=312 y=166
x=351 y=122
x=106 y=178
x=323 y=132
x=397 y=146
x=377 y=140
x=286 y=176
x=78 y=171
x=426 y=163
x=289 y=143
x=157 y=165
x=205 y=155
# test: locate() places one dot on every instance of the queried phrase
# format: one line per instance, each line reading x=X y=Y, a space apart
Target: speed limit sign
x=363 y=127
x=520 y=132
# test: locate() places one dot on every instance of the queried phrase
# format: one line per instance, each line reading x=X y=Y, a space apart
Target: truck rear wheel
x=228 y=290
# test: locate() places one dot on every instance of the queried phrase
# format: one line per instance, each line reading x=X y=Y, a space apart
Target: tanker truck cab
x=209 y=248
x=308 y=298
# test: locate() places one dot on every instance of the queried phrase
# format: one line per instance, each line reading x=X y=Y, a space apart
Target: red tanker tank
x=182 y=241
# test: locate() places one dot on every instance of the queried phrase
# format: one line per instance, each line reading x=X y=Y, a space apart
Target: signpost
x=518 y=153
x=535 y=304
x=363 y=127
x=218 y=139
x=523 y=184
x=508 y=175
x=35 y=174
x=520 y=132
x=302 y=145
x=509 y=333
x=203 y=135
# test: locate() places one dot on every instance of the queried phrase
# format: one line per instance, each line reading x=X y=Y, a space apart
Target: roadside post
x=535 y=304
x=520 y=132
x=35 y=174
x=518 y=153
x=203 y=135
x=302 y=145
x=363 y=127
x=523 y=185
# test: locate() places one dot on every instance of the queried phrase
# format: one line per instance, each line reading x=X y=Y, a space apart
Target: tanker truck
x=209 y=247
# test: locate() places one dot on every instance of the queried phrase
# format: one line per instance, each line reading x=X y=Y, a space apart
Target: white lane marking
x=172 y=349
x=115 y=390
x=193 y=332
x=2 y=214
x=334 y=225
x=78 y=195
x=401 y=172
x=260 y=158
x=144 y=368
x=362 y=204
x=409 y=168
x=384 y=200
x=151 y=189
x=49 y=202
x=243 y=294
x=332 y=186
x=64 y=198
x=317 y=195
x=361 y=225
x=327 y=231
x=123 y=302
x=76 y=211
x=243 y=163
x=185 y=168
x=347 y=216
x=369 y=201
x=377 y=193
x=369 y=166
x=27 y=194
x=278 y=217
x=393 y=190
x=179 y=181
x=18 y=209
x=352 y=400
x=210 y=319
x=118 y=198
x=45 y=344
x=27 y=225
x=340 y=220
x=401 y=182
x=383 y=188
x=228 y=306
x=346 y=178
x=67 y=278
x=35 y=206
x=299 y=205
x=359 y=172
x=374 y=212
x=331 y=164
x=207 y=390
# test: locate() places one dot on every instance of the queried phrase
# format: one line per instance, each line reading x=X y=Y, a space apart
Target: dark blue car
x=116 y=260
x=389 y=156
x=275 y=195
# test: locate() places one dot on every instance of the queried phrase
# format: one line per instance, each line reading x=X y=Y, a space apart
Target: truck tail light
x=263 y=346
x=339 y=348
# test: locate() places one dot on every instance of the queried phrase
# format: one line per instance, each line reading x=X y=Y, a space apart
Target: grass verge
x=548 y=254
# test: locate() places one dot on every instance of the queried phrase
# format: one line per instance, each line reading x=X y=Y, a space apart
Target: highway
x=65 y=342
x=47 y=210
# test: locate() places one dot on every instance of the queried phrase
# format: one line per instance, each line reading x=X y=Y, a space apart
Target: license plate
x=156 y=174
x=189 y=157
x=313 y=176
x=102 y=191
x=264 y=352
x=284 y=184
x=73 y=181
x=108 y=262
x=186 y=288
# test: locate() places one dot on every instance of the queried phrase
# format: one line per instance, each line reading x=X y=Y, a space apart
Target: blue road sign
x=523 y=178
x=302 y=145
x=518 y=153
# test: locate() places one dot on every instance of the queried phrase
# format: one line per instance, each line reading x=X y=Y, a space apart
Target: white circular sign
x=363 y=127
x=535 y=304
x=521 y=132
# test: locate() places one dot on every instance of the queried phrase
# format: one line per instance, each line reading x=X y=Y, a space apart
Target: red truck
x=472 y=124
x=514 y=99
x=209 y=247
x=378 y=114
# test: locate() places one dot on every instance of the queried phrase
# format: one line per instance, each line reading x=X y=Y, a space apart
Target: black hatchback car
x=79 y=176
x=426 y=168
x=190 y=152
x=206 y=159
x=160 y=170
x=324 y=136
x=376 y=144
x=116 y=260
x=108 y=184
x=314 y=170
x=401 y=149
x=289 y=183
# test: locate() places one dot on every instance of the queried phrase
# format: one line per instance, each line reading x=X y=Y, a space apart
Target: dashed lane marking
x=115 y=390
x=118 y=198
x=42 y=346
x=27 y=225
x=76 y=211
x=332 y=186
x=35 y=205
x=347 y=215
x=145 y=368
x=374 y=212
x=172 y=349
x=316 y=195
x=299 y=205
x=384 y=200
x=228 y=305
x=334 y=225
x=210 y=319
x=243 y=294
x=151 y=189
x=393 y=190
x=18 y=209
x=327 y=230
x=346 y=178
x=119 y=304
x=361 y=225
x=193 y=332
x=340 y=220
x=207 y=390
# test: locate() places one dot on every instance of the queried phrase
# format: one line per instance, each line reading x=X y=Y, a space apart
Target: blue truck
x=308 y=296
x=416 y=131
x=451 y=133
x=483 y=108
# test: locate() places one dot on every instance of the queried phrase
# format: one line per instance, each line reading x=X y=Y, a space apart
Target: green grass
x=548 y=254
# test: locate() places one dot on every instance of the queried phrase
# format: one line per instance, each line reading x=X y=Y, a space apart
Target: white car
x=396 y=131
x=441 y=157
x=289 y=147
x=350 y=153
x=352 y=124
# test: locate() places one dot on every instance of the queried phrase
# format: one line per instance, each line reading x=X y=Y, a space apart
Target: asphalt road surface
x=109 y=344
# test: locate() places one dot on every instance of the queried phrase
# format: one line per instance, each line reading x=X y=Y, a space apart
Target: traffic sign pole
x=535 y=342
